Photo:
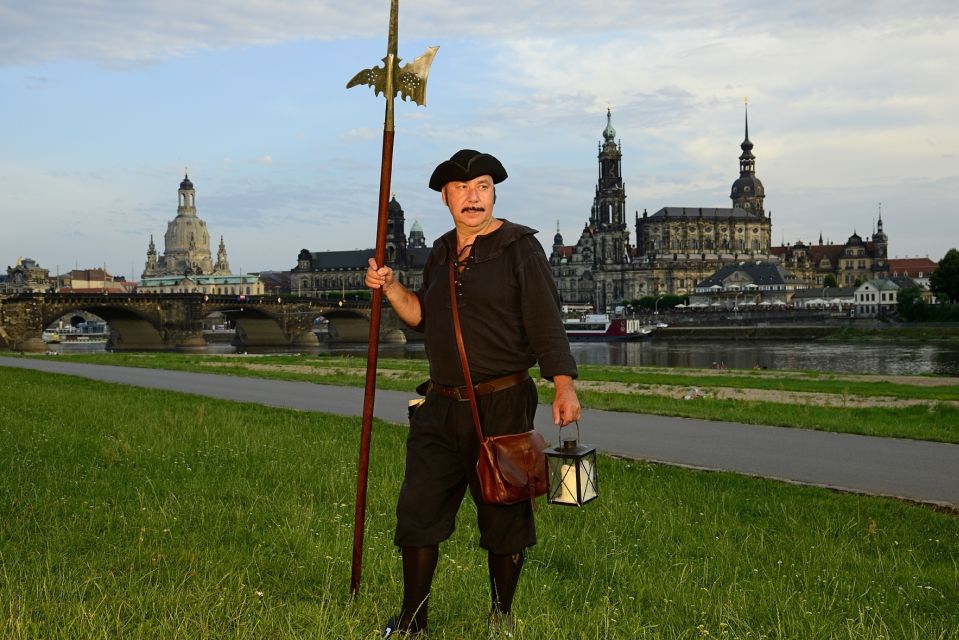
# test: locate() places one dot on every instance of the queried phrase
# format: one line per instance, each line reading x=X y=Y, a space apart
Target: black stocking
x=503 y=577
x=418 y=566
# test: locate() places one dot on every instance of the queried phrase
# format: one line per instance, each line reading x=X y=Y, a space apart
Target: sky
x=103 y=104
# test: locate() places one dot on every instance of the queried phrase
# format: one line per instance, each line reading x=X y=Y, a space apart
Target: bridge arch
x=154 y=321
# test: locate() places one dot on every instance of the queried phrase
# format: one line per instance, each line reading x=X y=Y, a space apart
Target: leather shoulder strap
x=454 y=307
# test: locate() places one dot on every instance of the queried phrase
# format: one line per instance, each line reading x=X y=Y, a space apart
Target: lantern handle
x=560 y=436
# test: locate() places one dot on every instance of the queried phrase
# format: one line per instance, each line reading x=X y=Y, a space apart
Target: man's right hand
x=379 y=277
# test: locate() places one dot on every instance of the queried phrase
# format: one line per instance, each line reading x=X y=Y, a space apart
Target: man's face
x=470 y=203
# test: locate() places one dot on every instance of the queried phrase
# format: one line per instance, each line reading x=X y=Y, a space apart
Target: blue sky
x=103 y=103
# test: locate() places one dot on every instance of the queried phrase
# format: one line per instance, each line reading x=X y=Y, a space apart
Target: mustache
x=472 y=209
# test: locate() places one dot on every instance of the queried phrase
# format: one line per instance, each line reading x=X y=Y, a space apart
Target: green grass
x=938 y=420
x=416 y=370
x=810 y=382
x=133 y=513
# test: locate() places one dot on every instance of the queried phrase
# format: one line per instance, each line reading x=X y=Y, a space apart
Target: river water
x=876 y=357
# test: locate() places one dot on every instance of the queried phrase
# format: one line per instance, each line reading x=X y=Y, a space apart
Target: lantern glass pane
x=587 y=478
x=562 y=481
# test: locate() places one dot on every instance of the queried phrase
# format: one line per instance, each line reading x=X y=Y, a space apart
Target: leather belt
x=481 y=389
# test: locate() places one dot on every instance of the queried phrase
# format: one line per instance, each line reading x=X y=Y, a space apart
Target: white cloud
x=134 y=31
x=851 y=104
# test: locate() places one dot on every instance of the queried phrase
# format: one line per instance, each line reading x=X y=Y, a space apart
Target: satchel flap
x=520 y=457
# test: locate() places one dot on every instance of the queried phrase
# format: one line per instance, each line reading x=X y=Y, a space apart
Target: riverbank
x=915 y=407
x=134 y=512
x=872 y=331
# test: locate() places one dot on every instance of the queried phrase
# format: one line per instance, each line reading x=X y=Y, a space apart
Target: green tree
x=830 y=281
x=911 y=306
x=945 y=279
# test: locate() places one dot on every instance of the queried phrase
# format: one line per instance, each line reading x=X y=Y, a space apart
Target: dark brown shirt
x=508 y=304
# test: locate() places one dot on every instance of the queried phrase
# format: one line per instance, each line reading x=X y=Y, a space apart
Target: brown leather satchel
x=511 y=468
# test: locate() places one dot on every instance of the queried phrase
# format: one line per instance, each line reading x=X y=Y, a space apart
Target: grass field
x=132 y=513
x=867 y=405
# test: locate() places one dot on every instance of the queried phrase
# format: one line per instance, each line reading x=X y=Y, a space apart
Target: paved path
x=911 y=469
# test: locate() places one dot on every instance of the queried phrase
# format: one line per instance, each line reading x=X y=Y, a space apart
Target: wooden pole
x=366 y=434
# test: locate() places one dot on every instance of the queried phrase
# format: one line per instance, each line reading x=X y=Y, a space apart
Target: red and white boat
x=602 y=326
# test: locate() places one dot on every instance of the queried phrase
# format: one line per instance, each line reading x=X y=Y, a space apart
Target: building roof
x=880 y=284
x=169 y=281
x=761 y=274
x=905 y=282
x=275 y=278
x=817 y=252
x=912 y=267
x=357 y=259
x=704 y=212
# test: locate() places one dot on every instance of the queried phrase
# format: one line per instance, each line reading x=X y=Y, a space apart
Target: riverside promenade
x=919 y=471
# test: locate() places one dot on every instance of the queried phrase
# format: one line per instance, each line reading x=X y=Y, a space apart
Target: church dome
x=747 y=186
x=186 y=184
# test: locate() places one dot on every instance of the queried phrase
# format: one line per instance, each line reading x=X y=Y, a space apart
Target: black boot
x=503 y=577
x=418 y=566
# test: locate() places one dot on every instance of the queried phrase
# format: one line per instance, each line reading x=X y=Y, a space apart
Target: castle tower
x=557 y=239
x=395 y=232
x=748 y=192
x=880 y=246
x=417 y=237
x=151 y=266
x=222 y=265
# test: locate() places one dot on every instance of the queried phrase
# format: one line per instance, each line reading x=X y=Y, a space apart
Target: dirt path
x=756 y=395
x=675 y=391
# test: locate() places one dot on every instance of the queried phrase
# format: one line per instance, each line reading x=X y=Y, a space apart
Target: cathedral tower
x=608 y=218
x=609 y=204
x=748 y=192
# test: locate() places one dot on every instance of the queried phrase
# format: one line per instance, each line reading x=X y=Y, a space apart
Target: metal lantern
x=571 y=473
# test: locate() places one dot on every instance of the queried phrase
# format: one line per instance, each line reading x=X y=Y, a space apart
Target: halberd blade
x=412 y=77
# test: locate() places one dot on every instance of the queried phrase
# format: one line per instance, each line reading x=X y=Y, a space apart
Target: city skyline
x=106 y=104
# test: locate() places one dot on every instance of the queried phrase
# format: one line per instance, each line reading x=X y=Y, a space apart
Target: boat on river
x=602 y=326
x=83 y=333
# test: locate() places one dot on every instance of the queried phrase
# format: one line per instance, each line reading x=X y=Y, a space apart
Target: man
x=509 y=312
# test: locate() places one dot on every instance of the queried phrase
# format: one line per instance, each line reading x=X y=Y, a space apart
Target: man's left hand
x=566 y=408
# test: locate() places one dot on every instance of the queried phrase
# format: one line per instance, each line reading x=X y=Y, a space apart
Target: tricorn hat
x=465 y=165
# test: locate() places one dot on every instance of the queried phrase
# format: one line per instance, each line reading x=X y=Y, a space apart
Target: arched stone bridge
x=175 y=321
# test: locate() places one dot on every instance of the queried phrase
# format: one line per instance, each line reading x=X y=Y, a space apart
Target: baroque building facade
x=851 y=264
x=187 y=265
x=330 y=274
x=186 y=249
x=676 y=247
x=679 y=248
x=27 y=276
